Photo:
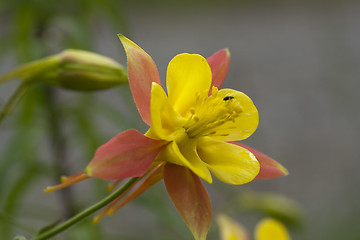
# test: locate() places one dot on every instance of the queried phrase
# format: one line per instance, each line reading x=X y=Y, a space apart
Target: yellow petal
x=186 y=157
x=187 y=75
x=230 y=230
x=166 y=123
x=270 y=229
x=228 y=162
x=242 y=126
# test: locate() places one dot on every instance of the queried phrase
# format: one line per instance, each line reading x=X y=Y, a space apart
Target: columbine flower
x=190 y=127
x=266 y=229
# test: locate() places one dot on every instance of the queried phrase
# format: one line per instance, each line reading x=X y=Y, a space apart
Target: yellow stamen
x=211 y=112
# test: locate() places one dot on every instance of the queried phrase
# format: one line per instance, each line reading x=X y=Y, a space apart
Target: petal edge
x=142 y=72
x=269 y=168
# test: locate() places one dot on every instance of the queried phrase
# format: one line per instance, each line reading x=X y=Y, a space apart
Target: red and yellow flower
x=191 y=132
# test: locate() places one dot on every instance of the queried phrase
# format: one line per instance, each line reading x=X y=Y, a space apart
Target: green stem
x=14 y=100
x=77 y=218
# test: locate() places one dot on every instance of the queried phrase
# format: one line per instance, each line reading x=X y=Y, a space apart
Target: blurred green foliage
x=32 y=30
x=37 y=28
x=272 y=205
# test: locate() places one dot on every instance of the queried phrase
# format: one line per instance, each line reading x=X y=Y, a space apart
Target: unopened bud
x=73 y=69
x=85 y=71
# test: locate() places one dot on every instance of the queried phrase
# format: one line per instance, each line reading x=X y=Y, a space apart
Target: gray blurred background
x=298 y=61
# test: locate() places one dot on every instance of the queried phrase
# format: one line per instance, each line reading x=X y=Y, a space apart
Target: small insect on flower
x=228 y=98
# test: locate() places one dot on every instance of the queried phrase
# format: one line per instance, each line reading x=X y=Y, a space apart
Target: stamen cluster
x=210 y=113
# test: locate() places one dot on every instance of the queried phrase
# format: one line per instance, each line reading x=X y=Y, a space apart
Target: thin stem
x=80 y=216
x=58 y=147
x=14 y=100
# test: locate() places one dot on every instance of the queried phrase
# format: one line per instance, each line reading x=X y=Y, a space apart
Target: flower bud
x=85 y=71
x=73 y=69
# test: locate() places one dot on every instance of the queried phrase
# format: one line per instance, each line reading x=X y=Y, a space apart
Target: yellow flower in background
x=266 y=229
x=230 y=230
x=271 y=229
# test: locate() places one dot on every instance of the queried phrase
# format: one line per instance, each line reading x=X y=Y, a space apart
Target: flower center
x=210 y=113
